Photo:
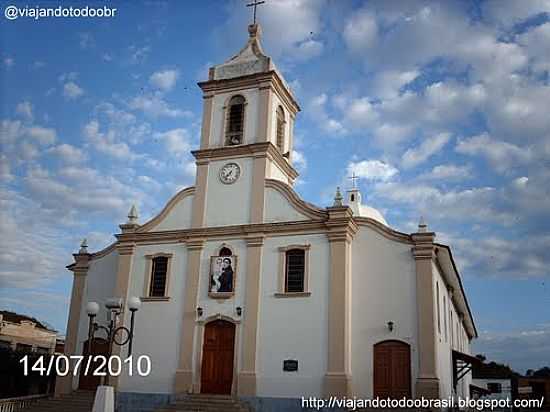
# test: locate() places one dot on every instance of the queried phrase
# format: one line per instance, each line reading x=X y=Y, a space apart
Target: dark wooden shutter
x=295 y=270
x=280 y=129
x=235 y=125
x=158 y=277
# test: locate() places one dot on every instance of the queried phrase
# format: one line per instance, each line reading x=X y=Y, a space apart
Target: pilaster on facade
x=424 y=252
x=247 y=374
x=80 y=271
x=184 y=379
x=341 y=230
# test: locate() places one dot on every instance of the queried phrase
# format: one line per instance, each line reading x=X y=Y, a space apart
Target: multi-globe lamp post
x=115 y=306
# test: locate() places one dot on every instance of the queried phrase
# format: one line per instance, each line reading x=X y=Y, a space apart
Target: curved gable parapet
x=383 y=230
x=304 y=208
x=104 y=252
x=167 y=211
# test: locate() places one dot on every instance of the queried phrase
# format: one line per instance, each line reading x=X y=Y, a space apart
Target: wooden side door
x=217 y=357
x=392 y=370
x=89 y=381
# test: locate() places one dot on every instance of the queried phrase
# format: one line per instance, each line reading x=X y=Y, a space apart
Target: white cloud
x=43 y=135
x=537 y=43
x=372 y=170
x=72 y=91
x=415 y=156
x=176 y=141
x=24 y=109
x=164 y=79
x=448 y=172
x=68 y=153
x=105 y=143
x=317 y=109
x=9 y=62
x=156 y=106
x=361 y=31
x=388 y=83
x=501 y=155
x=299 y=160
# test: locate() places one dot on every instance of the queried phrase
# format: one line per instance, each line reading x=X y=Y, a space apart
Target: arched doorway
x=392 y=369
x=89 y=381
x=217 y=357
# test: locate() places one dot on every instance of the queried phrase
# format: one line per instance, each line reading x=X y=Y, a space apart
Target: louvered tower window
x=235 y=121
x=280 y=129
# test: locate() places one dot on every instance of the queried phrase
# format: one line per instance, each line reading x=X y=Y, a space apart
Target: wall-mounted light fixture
x=239 y=310
x=390 y=326
x=199 y=311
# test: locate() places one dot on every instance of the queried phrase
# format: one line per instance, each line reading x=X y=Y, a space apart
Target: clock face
x=229 y=173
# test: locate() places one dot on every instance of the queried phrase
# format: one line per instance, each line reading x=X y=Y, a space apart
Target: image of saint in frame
x=222 y=275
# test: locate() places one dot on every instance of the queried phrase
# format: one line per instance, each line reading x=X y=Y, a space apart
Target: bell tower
x=246 y=137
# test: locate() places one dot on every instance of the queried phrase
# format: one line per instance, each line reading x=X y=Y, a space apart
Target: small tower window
x=280 y=129
x=235 y=121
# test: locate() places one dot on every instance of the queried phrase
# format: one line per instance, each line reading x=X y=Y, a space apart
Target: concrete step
x=206 y=403
x=79 y=401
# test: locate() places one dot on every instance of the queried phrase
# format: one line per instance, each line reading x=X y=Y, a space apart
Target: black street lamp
x=115 y=308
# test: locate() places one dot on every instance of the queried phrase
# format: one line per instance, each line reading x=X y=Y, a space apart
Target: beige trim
x=206 y=120
x=342 y=229
x=246 y=150
x=155 y=298
x=427 y=384
x=265 y=114
x=199 y=199
x=149 y=273
x=155 y=221
x=257 y=202
x=311 y=211
x=384 y=230
x=247 y=375
x=80 y=273
x=183 y=381
x=252 y=81
x=282 y=272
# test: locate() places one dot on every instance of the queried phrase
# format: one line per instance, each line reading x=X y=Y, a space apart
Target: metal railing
x=20 y=403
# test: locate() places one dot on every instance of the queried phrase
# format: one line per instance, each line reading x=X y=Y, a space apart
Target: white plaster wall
x=100 y=286
x=293 y=328
x=274 y=172
x=228 y=204
x=250 y=118
x=383 y=289
x=279 y=209
x=158 y=324
x=178 y=218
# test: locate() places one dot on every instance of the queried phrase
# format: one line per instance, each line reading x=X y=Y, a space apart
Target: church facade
x=248 y=290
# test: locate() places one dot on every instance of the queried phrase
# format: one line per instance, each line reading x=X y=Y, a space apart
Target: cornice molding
x=262 y=149
x=383 y=230
x=269 y=79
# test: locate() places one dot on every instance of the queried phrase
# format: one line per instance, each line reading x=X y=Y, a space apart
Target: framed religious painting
x=222 y=276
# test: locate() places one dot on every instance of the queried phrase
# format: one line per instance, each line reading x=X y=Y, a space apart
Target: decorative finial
x=133 y=215
x=255 y=4
x=83 y=246
x=422 y=226
x=338 y=198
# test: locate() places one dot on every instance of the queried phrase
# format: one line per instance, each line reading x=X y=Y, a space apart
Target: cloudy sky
x=441 y=108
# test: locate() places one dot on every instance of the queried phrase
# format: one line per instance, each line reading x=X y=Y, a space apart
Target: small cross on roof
x=255 y=4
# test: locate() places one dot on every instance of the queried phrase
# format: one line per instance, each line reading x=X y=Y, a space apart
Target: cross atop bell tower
x=255 y=4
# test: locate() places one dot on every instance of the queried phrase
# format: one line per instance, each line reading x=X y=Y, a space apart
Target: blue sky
x=441 y=109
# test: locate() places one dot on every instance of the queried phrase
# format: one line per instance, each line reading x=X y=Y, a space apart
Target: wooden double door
x=217 y=357
x=392 y=370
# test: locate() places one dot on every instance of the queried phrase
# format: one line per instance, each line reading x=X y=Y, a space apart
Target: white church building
x=248 y=290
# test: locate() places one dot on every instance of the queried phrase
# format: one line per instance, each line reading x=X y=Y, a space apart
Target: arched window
x=295 y=270
x=157 y=288
x=225 y=251
x=280 y=129
x=235 y=121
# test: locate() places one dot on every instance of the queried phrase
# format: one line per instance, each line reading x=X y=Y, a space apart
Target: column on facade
x=427 y=384
x=80 y=271
x=183 y=382
x=247 y=374
x=342 y=228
